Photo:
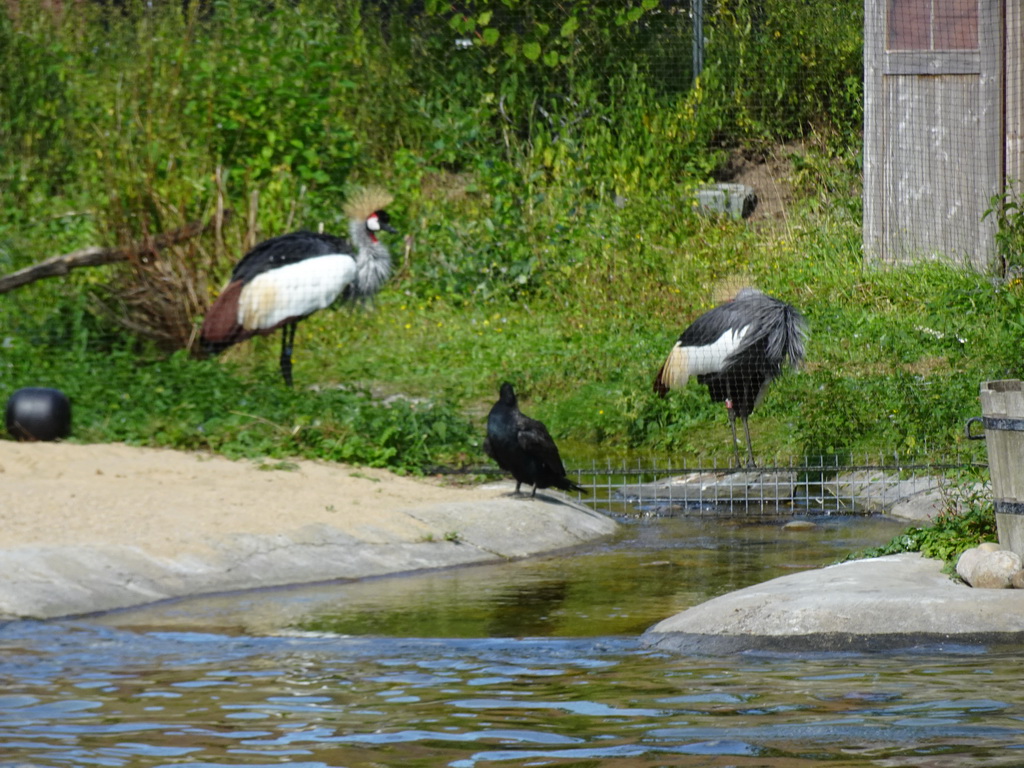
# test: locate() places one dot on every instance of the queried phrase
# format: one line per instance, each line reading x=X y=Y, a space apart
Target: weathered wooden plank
x=873 y=227
x=992 y=179
x=935 y=168
x=932 y=63
x=1002 y=402
x=1013 y=66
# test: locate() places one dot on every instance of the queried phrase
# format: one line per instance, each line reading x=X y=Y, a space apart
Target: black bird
x=736 y=349
x=284 y=279
x=522 y=446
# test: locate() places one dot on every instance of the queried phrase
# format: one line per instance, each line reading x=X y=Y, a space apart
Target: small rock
x=989 y=546
x=987 y=569
x=1017 y=580
x=799 y=525
x=738 y=201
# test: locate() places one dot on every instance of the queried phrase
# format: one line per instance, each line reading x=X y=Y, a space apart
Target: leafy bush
x=1009 y=217
x=780 y=70
x=967 y=520
x=36 y=107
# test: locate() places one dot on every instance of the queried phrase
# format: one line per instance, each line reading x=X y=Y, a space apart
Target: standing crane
x=289 y=277
x=523 y=447
x=736 y=349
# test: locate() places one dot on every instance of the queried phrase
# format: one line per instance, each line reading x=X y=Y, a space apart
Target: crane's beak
x=388 y=228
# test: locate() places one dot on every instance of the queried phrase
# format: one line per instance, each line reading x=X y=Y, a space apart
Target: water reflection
x=657 y=567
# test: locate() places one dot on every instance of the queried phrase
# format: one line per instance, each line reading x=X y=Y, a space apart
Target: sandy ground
x=166 y=501
x=86 y=528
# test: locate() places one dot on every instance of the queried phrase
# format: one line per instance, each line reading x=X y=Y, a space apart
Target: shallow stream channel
x=529 y=663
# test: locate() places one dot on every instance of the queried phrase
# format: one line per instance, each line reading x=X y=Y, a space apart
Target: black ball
x=38 y=413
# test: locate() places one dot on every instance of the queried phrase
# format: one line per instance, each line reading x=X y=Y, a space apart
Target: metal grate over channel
x=868 y=487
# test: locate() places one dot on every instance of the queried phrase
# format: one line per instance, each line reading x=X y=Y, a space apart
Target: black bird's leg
x=750 y=448
x=516 y=491
x=287 y=340
x=533 y=494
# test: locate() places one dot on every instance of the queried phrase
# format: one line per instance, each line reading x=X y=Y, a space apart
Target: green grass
x=894 y=358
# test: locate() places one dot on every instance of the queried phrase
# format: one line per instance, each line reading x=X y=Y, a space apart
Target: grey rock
x=986 y=569
x=920 y=507
x=799 y=525
x=898 y=601
x=751 y=487
x=737 y=201
x=876 y=491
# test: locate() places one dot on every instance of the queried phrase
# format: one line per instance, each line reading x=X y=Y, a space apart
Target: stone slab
x=897 y=601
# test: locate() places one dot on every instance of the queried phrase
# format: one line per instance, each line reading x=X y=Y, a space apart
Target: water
x=533 y=663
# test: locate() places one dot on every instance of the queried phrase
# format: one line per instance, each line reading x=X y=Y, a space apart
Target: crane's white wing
x=294 y=291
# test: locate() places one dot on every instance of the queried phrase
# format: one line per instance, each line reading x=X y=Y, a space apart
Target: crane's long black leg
x=732 y=425
x=750 y=448
x=287 y=341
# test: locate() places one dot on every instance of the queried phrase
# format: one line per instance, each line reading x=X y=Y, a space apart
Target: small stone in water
x=799 y=525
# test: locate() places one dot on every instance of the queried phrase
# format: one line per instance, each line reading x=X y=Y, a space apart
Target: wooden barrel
x=1002 y=408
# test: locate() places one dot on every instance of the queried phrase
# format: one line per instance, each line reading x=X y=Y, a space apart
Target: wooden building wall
x=933 y=139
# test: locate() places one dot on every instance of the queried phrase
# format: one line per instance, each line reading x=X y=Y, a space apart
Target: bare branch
x=94 y=256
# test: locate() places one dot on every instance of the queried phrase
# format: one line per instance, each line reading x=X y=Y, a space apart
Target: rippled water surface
x=535 y=663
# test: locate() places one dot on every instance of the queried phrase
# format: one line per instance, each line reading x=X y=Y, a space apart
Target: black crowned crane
x=522 y=446
x=736 y=349
x=284 y=279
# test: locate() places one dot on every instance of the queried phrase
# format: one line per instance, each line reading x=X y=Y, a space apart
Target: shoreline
x=91 y=528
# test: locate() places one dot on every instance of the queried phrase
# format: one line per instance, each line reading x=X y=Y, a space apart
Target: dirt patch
x=769 y=173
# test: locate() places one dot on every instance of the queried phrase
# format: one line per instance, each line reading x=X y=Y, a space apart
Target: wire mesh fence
x=873 y=485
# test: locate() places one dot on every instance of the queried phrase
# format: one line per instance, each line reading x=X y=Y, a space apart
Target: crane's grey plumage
x=289 y=277
x=736 y=350
x=523 y=447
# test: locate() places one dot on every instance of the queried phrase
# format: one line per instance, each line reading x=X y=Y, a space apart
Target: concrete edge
x=43 y=582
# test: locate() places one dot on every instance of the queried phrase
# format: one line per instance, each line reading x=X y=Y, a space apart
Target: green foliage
x=240 y=86
x=1006 y=208
x=531 y=48
x=967 y=520
x=35 y=105
x=781 y=70
x=178 y=402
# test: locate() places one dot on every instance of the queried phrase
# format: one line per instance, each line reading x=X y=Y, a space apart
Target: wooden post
x=1002 y=408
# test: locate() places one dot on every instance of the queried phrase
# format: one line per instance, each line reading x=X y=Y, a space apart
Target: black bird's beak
x=388 y=228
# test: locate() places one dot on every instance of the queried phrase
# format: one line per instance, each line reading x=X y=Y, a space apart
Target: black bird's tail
x=565 y=484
